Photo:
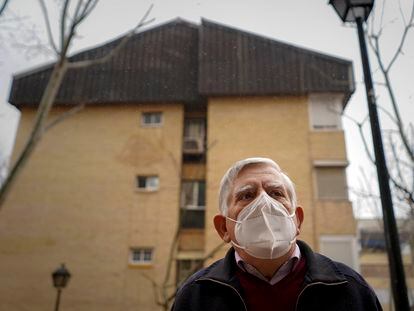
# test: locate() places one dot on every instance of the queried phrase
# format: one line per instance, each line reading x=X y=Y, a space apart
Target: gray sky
x=309 y=24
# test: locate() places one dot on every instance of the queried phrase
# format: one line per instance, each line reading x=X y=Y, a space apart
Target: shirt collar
x=283 y=271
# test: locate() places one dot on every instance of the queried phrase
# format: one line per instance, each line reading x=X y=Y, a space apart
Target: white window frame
x=352 y=239
x=148 y=187
x=196 y=190
x=143 y=251
x=151 y=114
x=201 y=122
x=332 y=99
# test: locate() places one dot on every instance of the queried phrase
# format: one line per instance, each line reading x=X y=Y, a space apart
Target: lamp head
x=350 y=10
x=61 y=277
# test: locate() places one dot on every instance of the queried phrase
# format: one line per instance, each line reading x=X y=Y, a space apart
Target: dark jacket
x=328 y=285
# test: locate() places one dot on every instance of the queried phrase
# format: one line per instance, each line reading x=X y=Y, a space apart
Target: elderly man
x=267 y=268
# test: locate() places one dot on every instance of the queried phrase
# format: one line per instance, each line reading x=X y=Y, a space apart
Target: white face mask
x=264 y=228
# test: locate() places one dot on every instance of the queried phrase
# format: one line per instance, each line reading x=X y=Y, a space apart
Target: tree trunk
x=43 y=110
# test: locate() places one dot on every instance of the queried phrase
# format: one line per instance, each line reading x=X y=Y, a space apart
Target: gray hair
x=231 y=174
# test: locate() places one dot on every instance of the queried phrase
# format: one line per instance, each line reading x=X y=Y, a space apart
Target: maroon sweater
x=261 y=296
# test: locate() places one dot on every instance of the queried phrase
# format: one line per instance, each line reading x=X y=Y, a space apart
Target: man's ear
x=299 y=217
x=221 y=228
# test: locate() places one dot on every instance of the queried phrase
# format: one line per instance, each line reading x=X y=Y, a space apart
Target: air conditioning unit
x=193 y=145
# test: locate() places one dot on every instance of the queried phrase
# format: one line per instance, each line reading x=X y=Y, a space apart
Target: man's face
x=249 y=184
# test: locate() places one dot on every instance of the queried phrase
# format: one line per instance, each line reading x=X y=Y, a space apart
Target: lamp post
x=358 y=11
x=60 y=278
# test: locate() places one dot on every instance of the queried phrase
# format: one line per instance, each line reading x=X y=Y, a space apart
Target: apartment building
x=124 y=191
x=374 y=260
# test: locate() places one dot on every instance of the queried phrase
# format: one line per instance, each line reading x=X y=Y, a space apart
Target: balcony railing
x=192 y=218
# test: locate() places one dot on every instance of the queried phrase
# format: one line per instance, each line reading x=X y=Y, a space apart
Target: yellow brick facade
x=76 y=200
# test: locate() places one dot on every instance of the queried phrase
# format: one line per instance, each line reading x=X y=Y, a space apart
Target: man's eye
x=246 y=196
x=275 y=194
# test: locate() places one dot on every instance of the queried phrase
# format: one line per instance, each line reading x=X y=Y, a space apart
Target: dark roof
x=181 y=61
x=233 y=62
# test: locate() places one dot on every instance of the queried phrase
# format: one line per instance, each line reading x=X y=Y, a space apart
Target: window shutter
x=331 y=183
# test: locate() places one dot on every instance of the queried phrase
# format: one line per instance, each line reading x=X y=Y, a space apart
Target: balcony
x=194 y=140
x=192 y=218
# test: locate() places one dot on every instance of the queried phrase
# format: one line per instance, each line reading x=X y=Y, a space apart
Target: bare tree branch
x=396 y=161
x=402 y=40
x=89 y=6
x=402 y=13
x=81 y=13
x=382 y=17
x=59 y=70
x=3 y=6
x=366 y=192
x=374 y=43
x=64 y=116
x=45 y=105
x=121 y=44
x=47 y=22
x=392 y=118
x=155 y=289
x=63 y=23
x=399 y=121
x=409 y=194
x=361 y=133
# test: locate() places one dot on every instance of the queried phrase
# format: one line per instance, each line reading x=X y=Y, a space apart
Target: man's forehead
x=258 y=170
x=249 y=185
x=248 y=178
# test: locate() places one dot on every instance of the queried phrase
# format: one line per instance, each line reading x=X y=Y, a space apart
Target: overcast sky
x=304 y=23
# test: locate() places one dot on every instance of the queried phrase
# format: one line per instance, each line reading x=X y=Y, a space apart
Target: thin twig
x=85 y=63
x=3 y=7
x=64 y=116
x=87 y=9
x=63 y=24
x=155 y=288
x=396 y=159
x=382 y=17
x=48 y=28
x=385 y=71
x=402 y=40
x=402 y=13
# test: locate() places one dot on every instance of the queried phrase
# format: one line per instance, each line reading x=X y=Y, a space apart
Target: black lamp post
x=60 y=278
x=358 y=11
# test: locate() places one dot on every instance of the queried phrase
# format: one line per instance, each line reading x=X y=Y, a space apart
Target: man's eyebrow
x=275 y=184
x=243 y=189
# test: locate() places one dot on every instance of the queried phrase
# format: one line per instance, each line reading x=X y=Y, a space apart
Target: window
x=342 y=248
x=372 y=241
x=194 y=135
x=331 y=182
x=186 y=268
x=193 y=197
x=147 y=183
x=194 y=128
x=325 y=111
x=151 y=118
x=141 y=255
x=193 y=194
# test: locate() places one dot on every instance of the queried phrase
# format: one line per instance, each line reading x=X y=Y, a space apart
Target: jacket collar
x=319 y=268
x=223 y=270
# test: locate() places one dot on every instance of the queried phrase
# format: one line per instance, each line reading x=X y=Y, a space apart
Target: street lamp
x=60 y=278
x=358 y=11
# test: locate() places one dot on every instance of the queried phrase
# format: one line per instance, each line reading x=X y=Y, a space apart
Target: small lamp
x=61 y=277
x=350 y=10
